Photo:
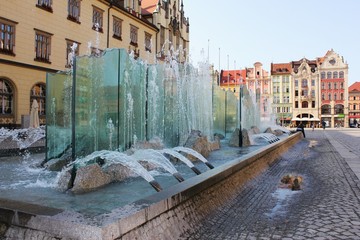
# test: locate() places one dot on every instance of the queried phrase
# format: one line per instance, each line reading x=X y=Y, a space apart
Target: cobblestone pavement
x=326 y=207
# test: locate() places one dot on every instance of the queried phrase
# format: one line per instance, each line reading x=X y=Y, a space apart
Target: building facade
x=282 y=98
x=40 y=36
x=305 y=77
x=334 y=94
x=354 y=105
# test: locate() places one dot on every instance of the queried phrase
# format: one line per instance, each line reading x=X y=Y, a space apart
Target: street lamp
x=240 y=127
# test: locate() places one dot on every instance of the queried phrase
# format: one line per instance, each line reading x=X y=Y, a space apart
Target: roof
x=355 y=87
x=148 y=6
x=280 y=68
x=234 y=76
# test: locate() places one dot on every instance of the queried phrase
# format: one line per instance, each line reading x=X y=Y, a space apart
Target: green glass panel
x=58 y=114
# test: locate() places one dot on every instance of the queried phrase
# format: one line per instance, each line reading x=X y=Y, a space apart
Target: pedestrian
x=313 y=126
x=323 y=124
x=300 y=127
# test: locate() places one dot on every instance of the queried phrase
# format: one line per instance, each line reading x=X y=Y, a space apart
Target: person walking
x=323 y=124
x=300 y=127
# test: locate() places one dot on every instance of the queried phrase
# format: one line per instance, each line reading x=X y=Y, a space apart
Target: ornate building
x=36 y=37
x=305 y=77
x=334 y=95
x=173 y=26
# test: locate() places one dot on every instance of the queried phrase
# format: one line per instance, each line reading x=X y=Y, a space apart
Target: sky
x=237 y=33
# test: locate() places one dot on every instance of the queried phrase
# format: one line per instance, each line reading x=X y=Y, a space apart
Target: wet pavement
x=326 y=207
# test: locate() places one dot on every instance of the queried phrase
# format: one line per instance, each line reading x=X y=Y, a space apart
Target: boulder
x=118 y=172
x=234 y=140
x=199 y=143
x=89 y=178
x=65 y=181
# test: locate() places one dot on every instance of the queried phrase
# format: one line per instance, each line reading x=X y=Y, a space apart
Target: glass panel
x=96 y=103
x=58 y=119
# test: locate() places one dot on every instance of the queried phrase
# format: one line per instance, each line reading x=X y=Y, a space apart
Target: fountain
x=108 y=104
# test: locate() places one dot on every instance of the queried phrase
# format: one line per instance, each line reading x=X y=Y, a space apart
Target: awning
x=315 y=119
x=296 y=119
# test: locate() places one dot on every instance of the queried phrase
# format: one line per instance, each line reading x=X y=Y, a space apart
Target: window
x=322 y=96
x=45 y=4
x=133 y=35
x=74 y=10
x=296 y=104
x=335 y=74
x=313 y=93
x=6 y=97
x=7 y=36
x=148 y=42
x=38 y=93
x=329 y=85
x=313 y=104
x=341 y=96
x=117 y=28
x=296 y=82
x=42 y=46
x=342 y=85
x=329 y=75
x=326 y=109
x=335 y=85
x=322 y=85
x=341 y=74
x=162 y=36
x=296 y=93
x=313 y=82
x=329 y=96
x=304 y=83
x=97 y=19
x=72 y=50
x=335 y=96
x=305 y=104
x=322 y=75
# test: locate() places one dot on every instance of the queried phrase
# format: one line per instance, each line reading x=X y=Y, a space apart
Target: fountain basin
x=176 y=209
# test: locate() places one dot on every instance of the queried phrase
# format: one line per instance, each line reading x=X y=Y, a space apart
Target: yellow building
x=36 y=37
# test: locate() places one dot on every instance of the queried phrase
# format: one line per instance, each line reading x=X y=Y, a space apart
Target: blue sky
x=278 y=31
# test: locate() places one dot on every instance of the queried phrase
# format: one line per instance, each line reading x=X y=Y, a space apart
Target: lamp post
x=240 y=109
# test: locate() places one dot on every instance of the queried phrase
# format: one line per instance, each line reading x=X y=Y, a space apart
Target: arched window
x=322 y=75
x=6 y=97
x=339 y=109
x=38 y=92
x=305 y=104
x=326 y=109
x=335 y=74
x=328 y=75
x=341 y=74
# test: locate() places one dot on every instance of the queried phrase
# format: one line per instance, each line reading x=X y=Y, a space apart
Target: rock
x=269 y=130
x=254 y=130
x=278 y=132
x=65 y=181
x=234 y=140
x=89 y=178
x=118 y=172
x=220 y=136
x=56 y=164
x=199 y=143
x=215 y=145
x=245 y=137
